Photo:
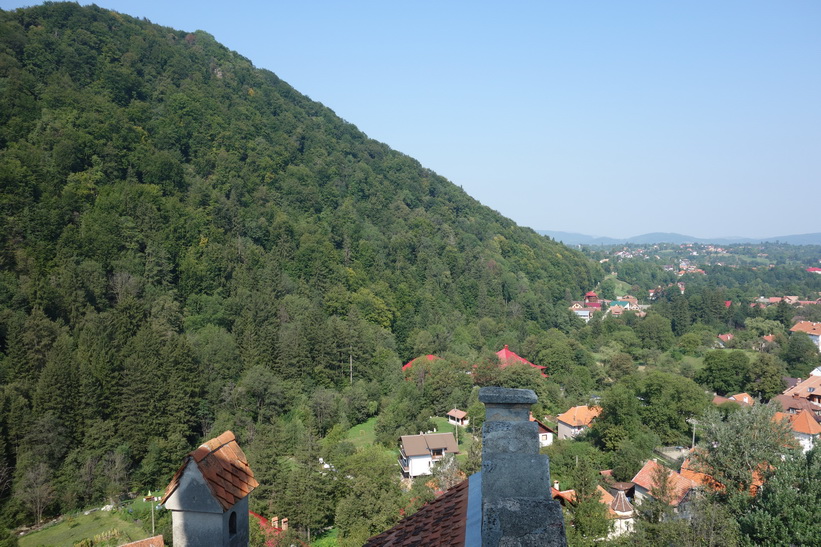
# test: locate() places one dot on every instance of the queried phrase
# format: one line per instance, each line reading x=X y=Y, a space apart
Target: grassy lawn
x=105 y=525
x=363 y=435
x=328 y=539
x=465 y=439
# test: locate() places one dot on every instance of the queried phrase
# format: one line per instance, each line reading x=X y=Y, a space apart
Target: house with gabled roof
x=418 y=453
x=576 y=419
x=508 y=502
x=804 y=426
x=507 y=358
x=809 y=389
x=458 y=417
x=619 y=508
x=208 y=495
x=681 y=487
x=422 y=359
x=743 y=399
x=546 y=434
x=793 y=404
x=813 y=330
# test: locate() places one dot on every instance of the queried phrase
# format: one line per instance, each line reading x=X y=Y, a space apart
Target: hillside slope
x=176 y=224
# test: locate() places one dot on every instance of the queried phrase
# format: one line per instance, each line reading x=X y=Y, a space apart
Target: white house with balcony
x=418 y=453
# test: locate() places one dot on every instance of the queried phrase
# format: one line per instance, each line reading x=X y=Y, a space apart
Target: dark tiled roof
x=620 y=503
x=225 y=468
x=440 y=522
x=421 y=445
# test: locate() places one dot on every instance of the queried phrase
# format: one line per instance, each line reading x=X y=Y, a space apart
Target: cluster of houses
x=591 y=304
x=767 y=301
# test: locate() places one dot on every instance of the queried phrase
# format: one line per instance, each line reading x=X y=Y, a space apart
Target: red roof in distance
x=410 y=363
x=507 y=358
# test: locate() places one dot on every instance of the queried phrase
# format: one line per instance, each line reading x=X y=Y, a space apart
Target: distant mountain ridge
x=571 y=238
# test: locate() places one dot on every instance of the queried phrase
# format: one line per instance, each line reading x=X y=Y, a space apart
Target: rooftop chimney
x=517 y=509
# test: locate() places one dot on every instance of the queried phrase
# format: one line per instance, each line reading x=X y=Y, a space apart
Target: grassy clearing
x=465 y=439
x=105 y=526
x=363 y=435
x=328 y=539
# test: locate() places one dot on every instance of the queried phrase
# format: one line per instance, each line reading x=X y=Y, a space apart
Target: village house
x=508 y=502
x=587 y=307
x=575 y=420
x=418 y=453
x=809 y=389
x=422 y=359
x=793 y=404
x=813 y=330
x=619 y=508
x=743 y=399
x=507 y=358
x=804 y=426
x=682 y=488
x=546 y=434
x=208 y=496
x=458 y=417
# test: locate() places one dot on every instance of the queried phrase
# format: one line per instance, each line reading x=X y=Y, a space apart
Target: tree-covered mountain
x=187 y=244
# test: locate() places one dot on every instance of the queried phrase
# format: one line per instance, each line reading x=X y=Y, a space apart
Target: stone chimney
x=517 y=509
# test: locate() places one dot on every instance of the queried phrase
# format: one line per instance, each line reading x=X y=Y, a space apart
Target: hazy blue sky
x=603 y=117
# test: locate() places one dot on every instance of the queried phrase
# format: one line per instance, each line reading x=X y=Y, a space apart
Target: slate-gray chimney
x=517 y=509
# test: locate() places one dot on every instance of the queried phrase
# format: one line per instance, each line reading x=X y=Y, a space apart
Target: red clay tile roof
x=680 y=484
x=507 y=358
x=458 y=414
x=579 y=415
x=807 y=326
x=743 y=398
x=803 y=422
x=223 y=466
x=811 y=385
x=542 y=428
x=794 y=404
x=440 y=522
x=410 y=363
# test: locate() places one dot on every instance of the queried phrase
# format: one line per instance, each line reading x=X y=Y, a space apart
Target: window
x=810 y=389
x=232 y=523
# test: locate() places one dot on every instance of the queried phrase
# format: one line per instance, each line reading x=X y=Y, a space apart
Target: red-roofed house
x=208 y=496
x=423 y=358
x=814 y=270
x=813 y=330
x=809 y=389
x=546 y=434
x=458 y=417
x=507 y=358
x=576 y=420
x=804 y=426
x=645 y=481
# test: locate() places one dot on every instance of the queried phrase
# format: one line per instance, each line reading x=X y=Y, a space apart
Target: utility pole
x=693 y=421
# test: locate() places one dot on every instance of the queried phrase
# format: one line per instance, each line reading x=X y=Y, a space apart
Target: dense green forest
x=188 y=245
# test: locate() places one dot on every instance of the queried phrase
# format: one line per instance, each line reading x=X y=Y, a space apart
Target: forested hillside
x=188 y=244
